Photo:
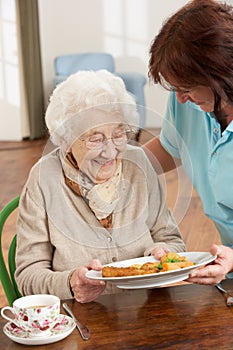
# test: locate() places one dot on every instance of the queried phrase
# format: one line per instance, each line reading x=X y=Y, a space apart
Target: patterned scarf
x=101 y=198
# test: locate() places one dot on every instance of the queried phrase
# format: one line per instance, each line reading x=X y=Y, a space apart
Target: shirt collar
x=230 y=127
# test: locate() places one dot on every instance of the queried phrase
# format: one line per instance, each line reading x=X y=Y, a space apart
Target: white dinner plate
x=61 y=330
x=156 y=279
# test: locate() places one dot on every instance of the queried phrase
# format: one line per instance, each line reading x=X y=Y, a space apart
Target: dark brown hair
x=195 y=47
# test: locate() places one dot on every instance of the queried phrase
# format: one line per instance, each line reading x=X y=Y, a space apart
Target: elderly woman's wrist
x=69 y=283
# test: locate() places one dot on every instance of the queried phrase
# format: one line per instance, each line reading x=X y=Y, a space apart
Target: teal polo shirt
x=195 y=137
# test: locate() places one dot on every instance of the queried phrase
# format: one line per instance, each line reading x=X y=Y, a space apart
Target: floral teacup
x=35 y=314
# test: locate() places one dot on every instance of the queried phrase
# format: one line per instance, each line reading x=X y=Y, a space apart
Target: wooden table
x=179 y=317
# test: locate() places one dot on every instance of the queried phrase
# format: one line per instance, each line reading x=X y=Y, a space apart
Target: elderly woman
x=92 y=200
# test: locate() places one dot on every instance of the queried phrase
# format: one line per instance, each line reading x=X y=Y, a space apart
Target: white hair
x=81 y=92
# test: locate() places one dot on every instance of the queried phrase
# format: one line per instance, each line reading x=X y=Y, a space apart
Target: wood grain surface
x=181 y=317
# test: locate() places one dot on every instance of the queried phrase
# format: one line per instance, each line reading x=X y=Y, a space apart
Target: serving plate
x=156 y=279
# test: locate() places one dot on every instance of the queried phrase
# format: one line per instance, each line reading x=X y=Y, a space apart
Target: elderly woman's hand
x=215 y=272
x=85 y=289
x=158 y=252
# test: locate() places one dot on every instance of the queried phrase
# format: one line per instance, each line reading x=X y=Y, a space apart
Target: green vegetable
x=160 y=266
x=173 y=260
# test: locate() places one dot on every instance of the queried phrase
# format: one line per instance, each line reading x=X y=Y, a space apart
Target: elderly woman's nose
x=109 y=149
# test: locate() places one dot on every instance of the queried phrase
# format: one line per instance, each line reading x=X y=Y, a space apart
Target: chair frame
x=7 y=277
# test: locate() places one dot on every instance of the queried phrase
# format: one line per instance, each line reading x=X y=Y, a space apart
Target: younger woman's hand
x=85 y=289
x=216 y=271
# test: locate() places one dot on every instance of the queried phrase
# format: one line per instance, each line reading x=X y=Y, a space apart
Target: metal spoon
x=83 y=330
x=229 y=300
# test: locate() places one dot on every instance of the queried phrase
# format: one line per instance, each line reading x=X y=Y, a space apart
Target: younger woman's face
x=200 y=95
x=99 y=151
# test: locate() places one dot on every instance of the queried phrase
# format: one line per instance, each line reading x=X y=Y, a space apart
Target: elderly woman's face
x=99 y=151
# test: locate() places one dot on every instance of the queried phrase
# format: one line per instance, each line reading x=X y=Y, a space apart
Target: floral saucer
x=61 y=330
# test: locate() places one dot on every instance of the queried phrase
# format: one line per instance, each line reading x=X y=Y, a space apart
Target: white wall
x=124 y=28
x=10 y=99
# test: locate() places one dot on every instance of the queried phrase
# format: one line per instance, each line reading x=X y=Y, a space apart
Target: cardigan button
x=114 y=259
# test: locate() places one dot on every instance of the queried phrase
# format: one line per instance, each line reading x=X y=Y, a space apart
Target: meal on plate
x=168 y=262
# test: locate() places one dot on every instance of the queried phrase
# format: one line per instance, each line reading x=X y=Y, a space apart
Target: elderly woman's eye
x=118 y=134
x=95 y=138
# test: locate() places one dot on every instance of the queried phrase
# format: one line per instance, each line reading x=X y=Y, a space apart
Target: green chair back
x=7 y=269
